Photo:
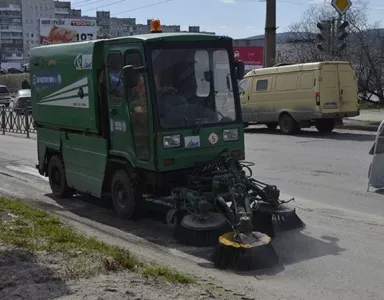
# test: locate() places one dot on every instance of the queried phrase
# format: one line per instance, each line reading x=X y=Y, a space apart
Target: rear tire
x=126 y=201
x=325 y=126
x=57 y=179
x=272 y=126
x=288 y=125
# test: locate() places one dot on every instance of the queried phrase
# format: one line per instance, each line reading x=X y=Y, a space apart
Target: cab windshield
x=193 y=87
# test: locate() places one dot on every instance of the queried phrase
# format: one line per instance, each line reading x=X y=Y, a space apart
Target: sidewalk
x=368 y=120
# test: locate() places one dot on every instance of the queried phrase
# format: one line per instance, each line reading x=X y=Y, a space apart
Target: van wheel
x=126 y=200
x=325 y=126
x=272 y=126
x=288 y=125
x=57 y=180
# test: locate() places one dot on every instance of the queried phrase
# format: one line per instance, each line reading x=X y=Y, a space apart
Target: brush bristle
x=199 y=238
x=266 y=222
x=289 y=222
x=244 y=259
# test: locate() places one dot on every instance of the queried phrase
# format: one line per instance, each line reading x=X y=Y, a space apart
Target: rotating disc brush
x=270 y=217
x=242 y=252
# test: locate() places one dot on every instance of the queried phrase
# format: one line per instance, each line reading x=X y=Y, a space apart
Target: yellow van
x=300 y=96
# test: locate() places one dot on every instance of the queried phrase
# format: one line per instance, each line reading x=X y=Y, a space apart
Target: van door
x=329 y=89
x=244 y=99
x=348 y=89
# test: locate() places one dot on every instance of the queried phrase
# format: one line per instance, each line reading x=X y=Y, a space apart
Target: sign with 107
x=53 y=31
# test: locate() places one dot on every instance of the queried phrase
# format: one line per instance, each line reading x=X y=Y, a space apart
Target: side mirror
x=240 y=69
x=130 y=77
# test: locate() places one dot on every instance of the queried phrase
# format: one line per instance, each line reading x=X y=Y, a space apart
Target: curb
x=359 y=125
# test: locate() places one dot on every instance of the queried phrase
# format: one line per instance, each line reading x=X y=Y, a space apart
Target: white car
x=5 y=96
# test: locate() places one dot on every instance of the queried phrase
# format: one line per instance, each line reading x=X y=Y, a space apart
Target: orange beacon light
x=156 y=26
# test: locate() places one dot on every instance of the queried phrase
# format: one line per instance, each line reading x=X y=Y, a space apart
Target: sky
x=234 y=18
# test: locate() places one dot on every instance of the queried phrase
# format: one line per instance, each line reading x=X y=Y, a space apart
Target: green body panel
x=85 y=159
x=67 y=113
x=188 y=157
x=57 y=104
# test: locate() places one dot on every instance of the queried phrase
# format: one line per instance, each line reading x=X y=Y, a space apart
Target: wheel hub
x=121 y=194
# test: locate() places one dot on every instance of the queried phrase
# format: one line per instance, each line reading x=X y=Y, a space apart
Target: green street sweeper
x=153 y=122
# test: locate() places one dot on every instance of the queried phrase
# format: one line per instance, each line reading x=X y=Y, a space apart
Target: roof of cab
x=172 y=36
x=293 y=68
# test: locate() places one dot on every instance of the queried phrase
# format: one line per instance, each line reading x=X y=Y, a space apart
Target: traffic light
x=324 y=36
x=342 y=34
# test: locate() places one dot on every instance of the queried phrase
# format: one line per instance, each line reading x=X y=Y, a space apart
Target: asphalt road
x=337 y=256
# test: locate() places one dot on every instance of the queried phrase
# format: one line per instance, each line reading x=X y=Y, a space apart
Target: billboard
x=57 y=31
x=249 y=55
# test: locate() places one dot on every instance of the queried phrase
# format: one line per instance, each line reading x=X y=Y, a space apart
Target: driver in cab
x=168 y=98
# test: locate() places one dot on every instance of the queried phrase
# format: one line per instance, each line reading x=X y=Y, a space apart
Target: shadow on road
x=292 y=247
x=341 y=136
x=23 y=277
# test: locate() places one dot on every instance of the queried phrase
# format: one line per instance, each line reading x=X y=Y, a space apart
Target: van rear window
x=3 y=90
x=262 y=85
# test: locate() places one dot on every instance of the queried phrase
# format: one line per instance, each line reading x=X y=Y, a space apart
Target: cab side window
x=138 y=107
x=137 y=95
x=115 y=66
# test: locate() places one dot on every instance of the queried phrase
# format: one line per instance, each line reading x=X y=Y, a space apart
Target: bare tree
x=364 y=50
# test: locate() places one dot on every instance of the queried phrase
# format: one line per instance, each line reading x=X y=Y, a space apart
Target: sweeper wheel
x=245 y=252
x=193 y=231
x=282 y=217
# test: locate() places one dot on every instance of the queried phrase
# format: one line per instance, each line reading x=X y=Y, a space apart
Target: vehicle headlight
x=230 y=135
x=171 y=141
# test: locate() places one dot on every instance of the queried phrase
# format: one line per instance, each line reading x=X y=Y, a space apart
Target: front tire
x=288 y=125
x=126 y=201
x=57 y=179
x=325 y=126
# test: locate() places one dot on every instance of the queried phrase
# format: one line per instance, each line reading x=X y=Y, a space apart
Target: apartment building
x=20 y=25
x=11 y=30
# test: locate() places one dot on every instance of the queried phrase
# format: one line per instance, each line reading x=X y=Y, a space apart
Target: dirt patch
x=44 y=275
x=43 y=258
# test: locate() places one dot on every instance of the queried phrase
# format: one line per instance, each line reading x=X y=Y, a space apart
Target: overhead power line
x=144 y=6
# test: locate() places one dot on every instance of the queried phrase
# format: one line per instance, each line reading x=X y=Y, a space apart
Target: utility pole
x=270 y=34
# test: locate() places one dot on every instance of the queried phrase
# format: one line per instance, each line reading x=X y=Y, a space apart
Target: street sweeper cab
x=153 y=123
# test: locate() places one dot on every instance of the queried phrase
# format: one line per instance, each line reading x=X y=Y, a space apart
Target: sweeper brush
x=244 y=250
x=223 y=205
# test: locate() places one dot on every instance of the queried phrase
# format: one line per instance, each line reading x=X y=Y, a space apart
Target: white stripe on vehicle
x=71 y=102
x=77 y=84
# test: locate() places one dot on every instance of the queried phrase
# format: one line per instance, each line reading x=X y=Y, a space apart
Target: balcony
x=10 y=28
x=62 y=11
x=13 y=56
x=10 y=14
x=11 y=37
x=11 y=7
